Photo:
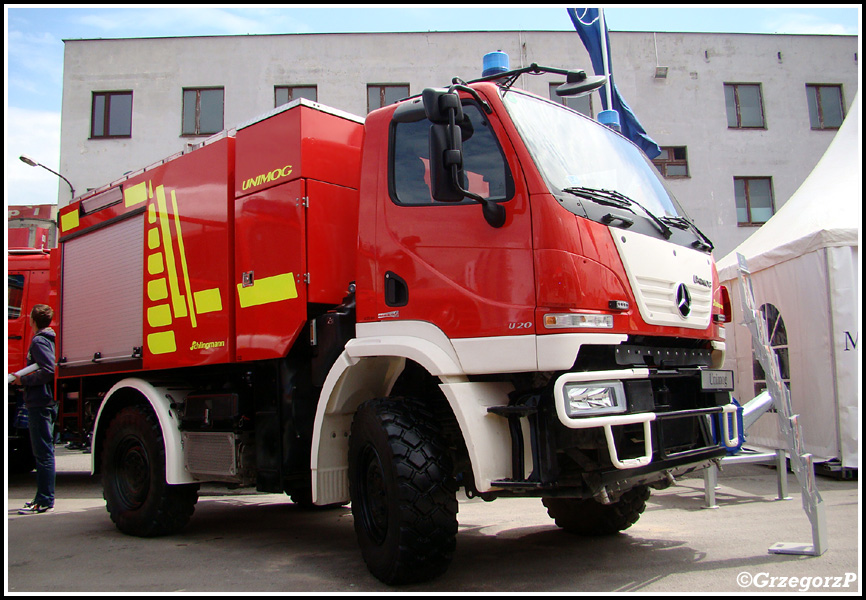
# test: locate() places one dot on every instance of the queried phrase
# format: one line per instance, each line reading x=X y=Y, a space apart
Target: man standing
x=41 y=408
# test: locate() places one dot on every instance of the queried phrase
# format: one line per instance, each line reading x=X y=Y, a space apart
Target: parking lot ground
x=247 y=542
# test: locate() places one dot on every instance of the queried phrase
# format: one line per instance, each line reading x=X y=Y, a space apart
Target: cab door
x=442 y=263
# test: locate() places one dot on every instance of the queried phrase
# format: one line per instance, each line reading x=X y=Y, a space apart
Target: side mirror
x=446 y=156
x=577 y=83
x=447 y=177
x=439 y=104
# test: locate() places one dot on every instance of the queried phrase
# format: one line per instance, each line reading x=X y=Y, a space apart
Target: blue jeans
x=41 y=423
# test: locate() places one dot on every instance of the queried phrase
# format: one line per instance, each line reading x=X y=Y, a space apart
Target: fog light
x=578 y=320
x=595 y=398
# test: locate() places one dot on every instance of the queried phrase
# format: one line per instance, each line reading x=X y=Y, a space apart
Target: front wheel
x=136 y=494
x=591 y=518
x=403 y=491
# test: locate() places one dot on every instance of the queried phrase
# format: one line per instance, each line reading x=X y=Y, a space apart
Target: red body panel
x=295 y=143
x=271 y=245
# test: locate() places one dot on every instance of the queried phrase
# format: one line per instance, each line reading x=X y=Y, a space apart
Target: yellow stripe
x=161 y=342
x=153 y=238
x=177 y=300
x=135 y=195
x=207 y=301
x=151 y=213
x=267 y=290
x=69 y=221
x=183 y=259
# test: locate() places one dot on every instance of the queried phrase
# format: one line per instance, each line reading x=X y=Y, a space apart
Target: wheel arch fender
x=160 y=399
x=361 y=373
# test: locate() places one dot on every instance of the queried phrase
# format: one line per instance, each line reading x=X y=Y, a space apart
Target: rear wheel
x=591 y=518
x=137 y=496
x=403 y=491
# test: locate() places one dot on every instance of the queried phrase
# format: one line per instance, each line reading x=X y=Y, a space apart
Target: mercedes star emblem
x=684 y=300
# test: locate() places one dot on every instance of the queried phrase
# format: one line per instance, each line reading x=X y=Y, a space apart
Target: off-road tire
x=403 y=491
x=136 y=494
x=590 y=518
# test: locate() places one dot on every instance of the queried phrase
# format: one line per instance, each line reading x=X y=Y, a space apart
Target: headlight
x=594 y=398
x=578 y=320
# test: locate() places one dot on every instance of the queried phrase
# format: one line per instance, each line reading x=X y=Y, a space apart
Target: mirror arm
x=458 y=84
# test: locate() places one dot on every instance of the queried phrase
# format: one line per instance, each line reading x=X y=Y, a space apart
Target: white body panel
x=655 y=270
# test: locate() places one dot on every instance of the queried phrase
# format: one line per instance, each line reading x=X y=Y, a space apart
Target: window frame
x=819 y=105
x=382 y=87
x=106 y=114
x=291 y=89
x=747 y=179
x=198 y=91
x=739 y=125
x=662 y=163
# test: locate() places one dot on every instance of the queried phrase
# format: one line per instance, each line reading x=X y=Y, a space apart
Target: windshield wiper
x=614 y=198
x=680 y=222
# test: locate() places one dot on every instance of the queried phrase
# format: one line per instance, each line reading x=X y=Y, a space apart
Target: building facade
x=741 y=118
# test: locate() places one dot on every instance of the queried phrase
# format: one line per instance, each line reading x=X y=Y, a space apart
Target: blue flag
x=588 y=25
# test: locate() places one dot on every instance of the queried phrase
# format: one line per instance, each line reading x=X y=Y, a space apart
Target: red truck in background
x=474 y=289
x=28 y=283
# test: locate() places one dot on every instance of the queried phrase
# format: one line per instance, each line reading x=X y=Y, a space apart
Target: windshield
x=573 y=151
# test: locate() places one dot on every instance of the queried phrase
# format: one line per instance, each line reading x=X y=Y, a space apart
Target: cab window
x=16 y=295
x=487 y=173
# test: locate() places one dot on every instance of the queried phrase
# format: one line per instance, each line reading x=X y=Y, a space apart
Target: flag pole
x=609 y=117
x=604 y=59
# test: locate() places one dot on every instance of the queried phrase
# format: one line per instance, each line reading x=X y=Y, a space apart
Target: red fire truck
x=473 y=289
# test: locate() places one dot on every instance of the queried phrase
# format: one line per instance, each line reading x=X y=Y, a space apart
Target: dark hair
x=42 y=315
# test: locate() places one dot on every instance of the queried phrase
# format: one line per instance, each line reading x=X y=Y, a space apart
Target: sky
x=34 y=47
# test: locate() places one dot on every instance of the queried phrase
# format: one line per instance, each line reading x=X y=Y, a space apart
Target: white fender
x=369 y=367
x=160 y=399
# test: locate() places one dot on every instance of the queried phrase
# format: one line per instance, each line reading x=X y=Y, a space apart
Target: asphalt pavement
x=241 y=542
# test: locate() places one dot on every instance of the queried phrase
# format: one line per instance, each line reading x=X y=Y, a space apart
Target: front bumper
x=730 y=432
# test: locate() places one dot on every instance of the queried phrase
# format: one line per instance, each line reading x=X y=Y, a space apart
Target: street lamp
x=29 y=161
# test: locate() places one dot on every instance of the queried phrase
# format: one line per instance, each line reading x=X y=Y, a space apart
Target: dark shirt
x=39 y=385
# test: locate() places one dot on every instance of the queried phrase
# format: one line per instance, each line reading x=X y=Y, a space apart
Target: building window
x=672 y=162
x=754 y=197
x=379 y=95
x=283 y=94
x=202 y=111
x=778 y=338
x=825 y=106
x=744 y=106
x=582 y=104
x=111 y=115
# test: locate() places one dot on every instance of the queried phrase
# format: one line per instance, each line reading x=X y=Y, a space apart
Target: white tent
x=804 y=262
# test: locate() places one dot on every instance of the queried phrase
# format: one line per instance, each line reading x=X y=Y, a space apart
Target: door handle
x=396 y=290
